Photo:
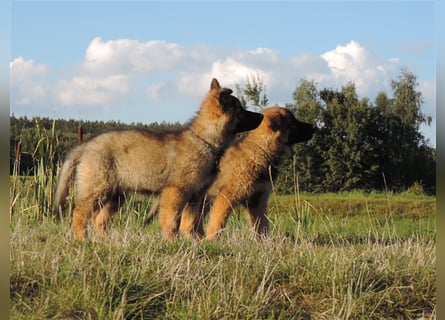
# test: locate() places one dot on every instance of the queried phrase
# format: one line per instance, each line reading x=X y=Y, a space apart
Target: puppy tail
x=65 y=180
x=152 y=213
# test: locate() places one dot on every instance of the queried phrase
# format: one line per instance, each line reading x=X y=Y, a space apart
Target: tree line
x=359 y=144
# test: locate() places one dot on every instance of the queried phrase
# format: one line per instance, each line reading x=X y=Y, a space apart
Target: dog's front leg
x=218 y=216
x=172 y=202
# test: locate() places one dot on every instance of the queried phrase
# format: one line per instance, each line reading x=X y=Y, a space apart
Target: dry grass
x=348 y=256
x=318 y=264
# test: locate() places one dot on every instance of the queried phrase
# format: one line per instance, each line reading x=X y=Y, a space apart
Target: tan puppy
x=177 y=165
x=248 y=168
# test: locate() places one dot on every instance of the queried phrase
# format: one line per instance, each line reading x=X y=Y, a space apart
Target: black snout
x=248 y=120
x=301 y=131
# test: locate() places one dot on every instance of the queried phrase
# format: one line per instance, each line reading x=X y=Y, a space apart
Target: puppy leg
x=171 y=203
x=218 y=216
x=103 y=217
x=152 y=213
x=81 y=215
x=257 y=213
x=192 y=219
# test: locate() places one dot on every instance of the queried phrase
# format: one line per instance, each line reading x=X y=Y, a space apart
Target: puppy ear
x=275 y=122
x=226 y=91
x=214 y=84
x=226 y=99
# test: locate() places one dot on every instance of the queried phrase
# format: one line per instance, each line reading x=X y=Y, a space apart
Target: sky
x=148 y=61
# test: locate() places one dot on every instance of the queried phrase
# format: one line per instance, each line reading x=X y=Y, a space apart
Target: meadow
x=330 y=256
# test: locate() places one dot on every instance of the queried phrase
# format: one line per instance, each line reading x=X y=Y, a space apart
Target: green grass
x=345 y=256
x=354 y=217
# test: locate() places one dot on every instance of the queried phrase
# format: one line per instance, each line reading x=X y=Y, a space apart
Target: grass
x=330 y=256
x=355 y=217
x=346 y=256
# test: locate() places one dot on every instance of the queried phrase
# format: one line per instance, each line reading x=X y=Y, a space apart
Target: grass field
x=330 y=256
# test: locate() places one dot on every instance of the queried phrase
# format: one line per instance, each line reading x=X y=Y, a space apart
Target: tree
x=407 y=100
x=254 y=92
x=359 y=145
x=349 y=152
x=310 y=165
x=399 y=121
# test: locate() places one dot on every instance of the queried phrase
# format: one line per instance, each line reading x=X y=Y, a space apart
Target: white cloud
x=163 y=91
x=111 y=68
x=154 y=77
x=22 y=70
x=349 y=63
x=258 y=57
x=28 y=81
x=231 y=70
x=131 y=56
x=84 y=90
x=353 y=63
x=308 y=64
x=228 y=71
x=116 y=72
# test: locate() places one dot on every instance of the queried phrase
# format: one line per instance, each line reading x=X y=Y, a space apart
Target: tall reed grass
x=33 y=193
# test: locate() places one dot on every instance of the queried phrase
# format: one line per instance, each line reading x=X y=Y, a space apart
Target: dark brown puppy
x=178 y=166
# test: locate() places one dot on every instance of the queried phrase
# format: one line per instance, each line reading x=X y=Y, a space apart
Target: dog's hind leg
x=103 y=217
x=81 y=215
x=192 y=219
x=257 y=213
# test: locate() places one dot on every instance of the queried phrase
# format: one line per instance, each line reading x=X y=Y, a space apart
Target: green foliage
x=407 y=101
x=416 y=189
x=253 y=92
x=358 y=144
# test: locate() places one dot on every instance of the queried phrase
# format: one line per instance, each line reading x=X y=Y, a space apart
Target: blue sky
x=153 y=61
